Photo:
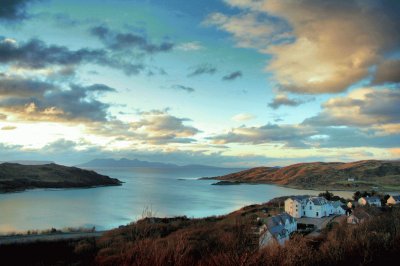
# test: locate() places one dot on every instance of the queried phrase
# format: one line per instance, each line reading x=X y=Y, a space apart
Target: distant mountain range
x=361 y=175
x=138 y=163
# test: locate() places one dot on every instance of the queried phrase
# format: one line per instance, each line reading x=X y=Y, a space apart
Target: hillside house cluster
x=276 y=229
x=371 y=201
x=313 y=207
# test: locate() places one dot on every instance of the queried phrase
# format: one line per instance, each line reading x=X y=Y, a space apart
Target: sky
x=234 y=83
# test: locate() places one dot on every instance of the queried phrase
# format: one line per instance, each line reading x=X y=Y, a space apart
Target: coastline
x=20 y=190
x=222 y=182
x=24 y=238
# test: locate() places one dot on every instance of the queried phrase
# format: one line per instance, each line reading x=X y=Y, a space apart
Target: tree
x=357 y=195
x=366 y=194
x=384 y=199
x=328 y=195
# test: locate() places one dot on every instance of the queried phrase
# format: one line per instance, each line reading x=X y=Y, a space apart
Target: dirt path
x=50 y=237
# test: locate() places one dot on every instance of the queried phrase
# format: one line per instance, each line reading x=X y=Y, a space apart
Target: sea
x=161 y=192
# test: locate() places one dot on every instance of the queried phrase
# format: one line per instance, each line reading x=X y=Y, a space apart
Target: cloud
x=19 y=87
x=387 y=72
x=242 y=117
x=307 y=137
x=189 y=46
x=365 y=117
x=232 y=76
x=395 y=152
x=117 y=41
x=364 y=108
x=8 y=128
x=31 y=100
x=282 y=99
x=290 y=135
x=155 y=127
x=344 y=137
x=182 y=87
x=13 y=10
x=318 y=46
x=251 y=29
x=76 y=152
x=160 y=127
x=202 y=69
x=36 y=54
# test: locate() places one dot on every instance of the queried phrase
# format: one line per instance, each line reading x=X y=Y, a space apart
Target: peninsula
x=18 y=177
x=365 y=175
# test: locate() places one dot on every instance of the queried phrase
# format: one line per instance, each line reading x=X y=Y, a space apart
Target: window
x=304 y=213
x=317 y=214
x=310 y=207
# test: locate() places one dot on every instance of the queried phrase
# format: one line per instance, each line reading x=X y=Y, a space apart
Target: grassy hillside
x=15 y=177
x=224 y=240
x=318 y=175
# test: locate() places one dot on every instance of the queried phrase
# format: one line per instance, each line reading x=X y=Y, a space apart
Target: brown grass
x=224 y=240
x=218 y=242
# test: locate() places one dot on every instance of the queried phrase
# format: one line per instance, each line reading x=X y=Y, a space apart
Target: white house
x=317 y=207
x=392 y=200
x=314 y=207
x=295 y=206
x=276 y=229
x=372 y=201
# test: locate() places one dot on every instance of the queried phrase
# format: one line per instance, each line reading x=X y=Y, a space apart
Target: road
x=48 y=237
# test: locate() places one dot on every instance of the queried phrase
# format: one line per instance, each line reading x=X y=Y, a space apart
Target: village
x=308 y=215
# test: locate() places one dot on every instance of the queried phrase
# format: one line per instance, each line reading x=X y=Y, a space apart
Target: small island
x=17 y=177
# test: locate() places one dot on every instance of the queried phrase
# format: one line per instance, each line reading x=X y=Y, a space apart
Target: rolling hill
x=384 y=175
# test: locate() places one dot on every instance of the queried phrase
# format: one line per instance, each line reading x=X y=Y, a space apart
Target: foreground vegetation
x=225 y=240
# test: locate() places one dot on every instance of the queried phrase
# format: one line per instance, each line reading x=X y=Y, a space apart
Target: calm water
x=161 y=190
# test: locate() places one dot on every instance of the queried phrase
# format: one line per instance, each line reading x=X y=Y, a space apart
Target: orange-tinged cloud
x=366 y=108
x=335 y=43
x=395 y=152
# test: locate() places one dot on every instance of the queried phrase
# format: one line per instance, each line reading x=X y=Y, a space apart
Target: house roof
x=279 y=219
x=299 y=197
x=276 y=224
x=277 y=230
x=318 y=200
x=373 y=199
x=337 y=204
